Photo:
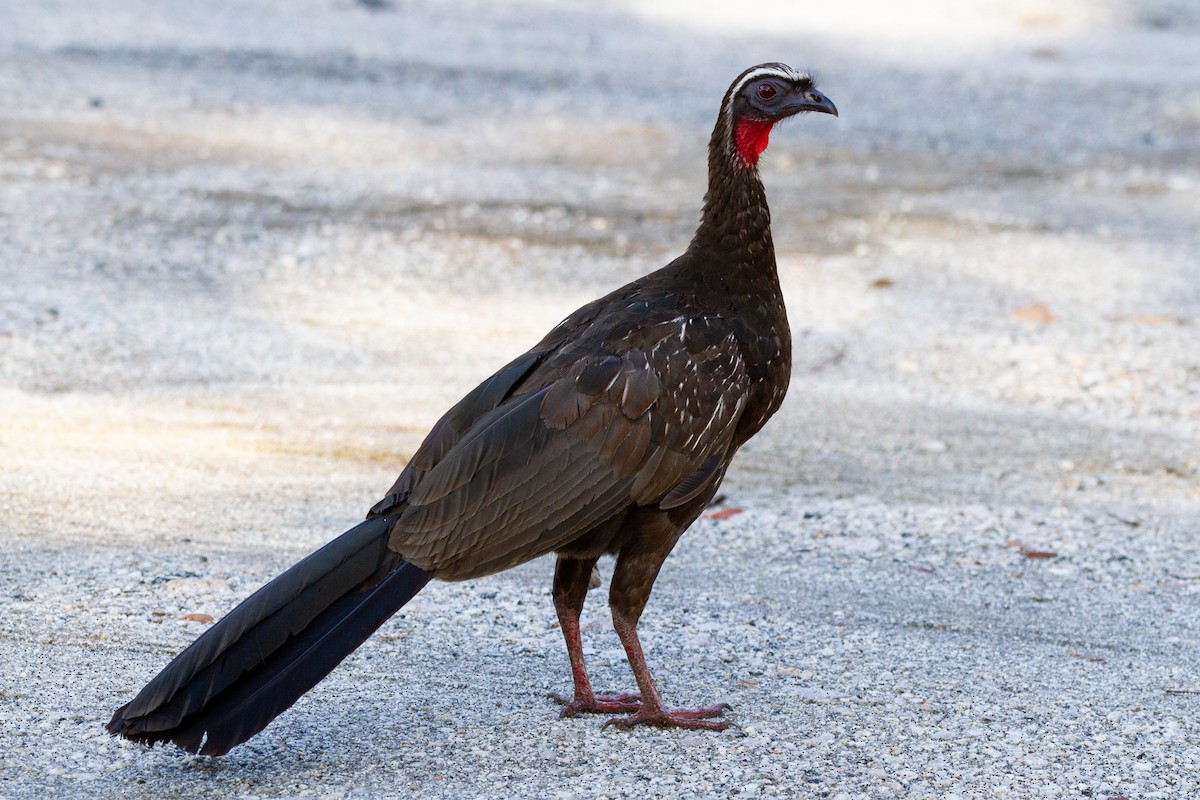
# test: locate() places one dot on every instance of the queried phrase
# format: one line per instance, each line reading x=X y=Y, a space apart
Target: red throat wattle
x=750 y=137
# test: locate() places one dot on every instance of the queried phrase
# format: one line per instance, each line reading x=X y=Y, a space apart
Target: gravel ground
x=249 y=252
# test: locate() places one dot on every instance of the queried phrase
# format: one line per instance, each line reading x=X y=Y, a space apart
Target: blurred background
x=249 y=252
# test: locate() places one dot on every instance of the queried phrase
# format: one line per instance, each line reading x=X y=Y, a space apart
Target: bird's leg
x=637 y=567
x=651 y=711
x=572 y=577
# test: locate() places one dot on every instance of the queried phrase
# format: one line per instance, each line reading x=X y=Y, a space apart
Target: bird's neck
x=734 y=235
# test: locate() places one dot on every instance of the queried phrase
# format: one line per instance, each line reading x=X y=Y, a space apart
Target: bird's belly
x=606 y=538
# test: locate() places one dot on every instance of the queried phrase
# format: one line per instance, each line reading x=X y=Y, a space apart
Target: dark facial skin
x=773 y=98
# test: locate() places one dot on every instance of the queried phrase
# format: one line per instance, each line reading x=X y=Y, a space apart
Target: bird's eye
x=765 y=91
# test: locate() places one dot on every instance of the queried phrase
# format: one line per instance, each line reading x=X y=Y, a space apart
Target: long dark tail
x=253 y=664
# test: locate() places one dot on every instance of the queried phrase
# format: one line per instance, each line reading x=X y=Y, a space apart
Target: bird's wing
x=450 y=429
x=487 y=396
x=584 y=437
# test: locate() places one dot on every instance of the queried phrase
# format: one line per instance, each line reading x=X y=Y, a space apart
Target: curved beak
x=810 y=100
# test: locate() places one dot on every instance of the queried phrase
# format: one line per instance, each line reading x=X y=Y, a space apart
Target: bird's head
x=762 y=96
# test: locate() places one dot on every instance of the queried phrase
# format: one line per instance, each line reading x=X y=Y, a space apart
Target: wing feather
x=454 y=423
x=580 y=440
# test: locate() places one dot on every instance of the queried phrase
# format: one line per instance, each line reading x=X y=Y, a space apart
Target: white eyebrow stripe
x=763 y=72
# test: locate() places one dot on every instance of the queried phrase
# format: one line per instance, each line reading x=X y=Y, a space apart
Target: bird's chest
x=769 y=380
x=766 y=344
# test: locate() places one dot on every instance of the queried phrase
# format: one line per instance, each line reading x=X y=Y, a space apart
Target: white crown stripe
x=763 y=72
x=780 y=71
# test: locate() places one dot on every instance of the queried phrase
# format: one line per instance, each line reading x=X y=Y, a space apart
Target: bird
x=608 y=438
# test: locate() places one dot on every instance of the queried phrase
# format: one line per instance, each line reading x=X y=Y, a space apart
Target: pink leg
x=637 y=568
x=571 y=577
x=651 y=711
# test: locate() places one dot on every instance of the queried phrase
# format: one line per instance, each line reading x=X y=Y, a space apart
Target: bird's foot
x=688 y=718
x=598 y=704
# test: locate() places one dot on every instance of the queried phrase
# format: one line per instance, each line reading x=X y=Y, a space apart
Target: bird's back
x=615 y=408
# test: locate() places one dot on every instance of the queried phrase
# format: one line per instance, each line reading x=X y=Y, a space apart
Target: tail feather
x=257 y=661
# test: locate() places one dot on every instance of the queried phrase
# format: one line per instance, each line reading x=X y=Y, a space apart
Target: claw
x=701 y=713
x=598 y=704
x=687 y=718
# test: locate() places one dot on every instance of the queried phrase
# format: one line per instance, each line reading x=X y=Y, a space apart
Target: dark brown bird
x=609 y=437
